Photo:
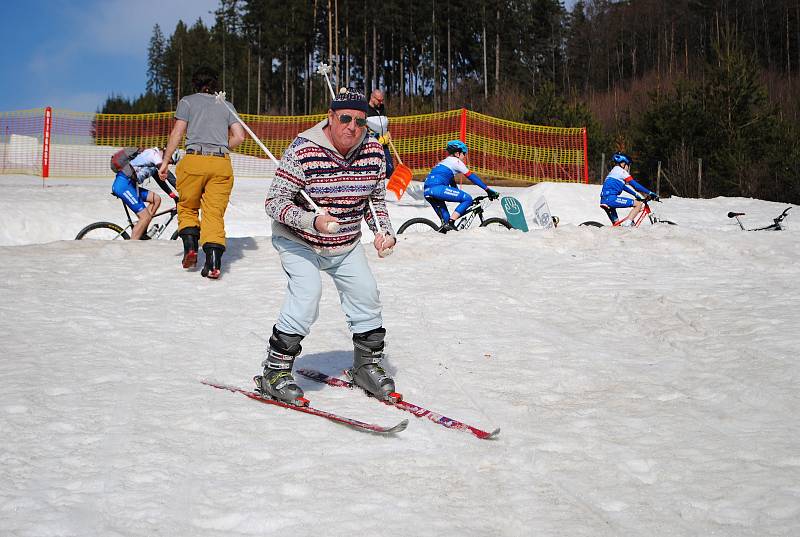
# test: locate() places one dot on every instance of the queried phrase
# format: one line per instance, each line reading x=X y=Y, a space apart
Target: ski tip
x=400 y=427
x=219 y=385
x=494 y=434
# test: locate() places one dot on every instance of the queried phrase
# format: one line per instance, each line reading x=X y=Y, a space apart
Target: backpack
x=121 y=160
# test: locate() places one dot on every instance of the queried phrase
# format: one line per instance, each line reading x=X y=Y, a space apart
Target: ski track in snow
x=645 y=380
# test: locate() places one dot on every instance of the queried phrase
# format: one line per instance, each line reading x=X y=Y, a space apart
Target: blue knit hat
x=349 y=99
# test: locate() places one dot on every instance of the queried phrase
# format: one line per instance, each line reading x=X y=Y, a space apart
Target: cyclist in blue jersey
x=440 y=185
x=141 y=201
x=619 y=179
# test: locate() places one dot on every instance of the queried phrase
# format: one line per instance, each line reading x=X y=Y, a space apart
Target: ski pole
x=324 y=69
x=332 y=227
x=386 y=252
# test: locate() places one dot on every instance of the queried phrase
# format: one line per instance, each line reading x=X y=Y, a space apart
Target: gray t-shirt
x=208 y=121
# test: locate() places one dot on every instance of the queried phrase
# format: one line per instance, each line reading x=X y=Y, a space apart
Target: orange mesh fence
x=499 y=149
x=420 y=140
x=276 y=132
x=507 y=150
x=80 y=144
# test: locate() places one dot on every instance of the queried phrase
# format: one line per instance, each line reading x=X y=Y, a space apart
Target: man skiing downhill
x=342 y=169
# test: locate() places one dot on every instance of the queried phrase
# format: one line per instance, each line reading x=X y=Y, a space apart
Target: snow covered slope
x=645 y=380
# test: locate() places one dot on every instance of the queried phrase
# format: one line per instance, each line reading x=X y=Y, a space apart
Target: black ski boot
x=367 y=372
x=190 y=237
x=214 y=252
x=277 y=381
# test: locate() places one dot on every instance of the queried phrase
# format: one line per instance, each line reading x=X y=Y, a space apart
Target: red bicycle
x=646 y=212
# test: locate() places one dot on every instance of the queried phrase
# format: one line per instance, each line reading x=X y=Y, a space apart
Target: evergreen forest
x=706 y=91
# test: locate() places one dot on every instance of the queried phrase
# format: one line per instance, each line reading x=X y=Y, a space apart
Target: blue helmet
x=621 y=158
x=456 y=146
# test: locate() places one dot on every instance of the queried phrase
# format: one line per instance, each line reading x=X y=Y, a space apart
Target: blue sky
x=74 y=54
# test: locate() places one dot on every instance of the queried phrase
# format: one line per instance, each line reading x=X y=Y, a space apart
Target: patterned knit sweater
x=341 y=184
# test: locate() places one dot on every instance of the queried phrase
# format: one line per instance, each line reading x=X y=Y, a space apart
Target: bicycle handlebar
x=782 y=215
x=478 y=199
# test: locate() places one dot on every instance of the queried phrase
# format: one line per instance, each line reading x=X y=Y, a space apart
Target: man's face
x=345 y=135
x=376 y=99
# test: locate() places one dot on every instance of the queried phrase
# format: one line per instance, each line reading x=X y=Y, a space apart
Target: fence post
x=658 y=179
x=585 y=157
x=602 y=167
x=699 y=177
x=48 y=122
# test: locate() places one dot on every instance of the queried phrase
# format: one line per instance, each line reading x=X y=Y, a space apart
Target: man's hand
x=493 y=195
x=385 y=138
x=653 y=196
x=174 y=140
x=325 y=223
x=384 y=244
x=163 y=170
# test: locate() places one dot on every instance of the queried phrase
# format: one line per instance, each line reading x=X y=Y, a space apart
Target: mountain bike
x=476 y=209
x=646 y=212
x=111 y=231
x=774 y=226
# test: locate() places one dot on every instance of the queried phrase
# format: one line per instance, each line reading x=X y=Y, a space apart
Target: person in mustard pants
x=205 y=174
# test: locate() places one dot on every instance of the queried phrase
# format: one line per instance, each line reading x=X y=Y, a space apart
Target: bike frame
x=173 y=212
x=774 y=226
x=645 y=212
x=465 y=220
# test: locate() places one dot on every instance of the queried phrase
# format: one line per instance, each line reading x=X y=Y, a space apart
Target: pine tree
x=156 y=66
x=742 y=122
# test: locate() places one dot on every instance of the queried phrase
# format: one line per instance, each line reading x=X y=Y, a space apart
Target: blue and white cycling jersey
x=444 y=173
x=619 y=180
x=146 y=164
x=440 y=186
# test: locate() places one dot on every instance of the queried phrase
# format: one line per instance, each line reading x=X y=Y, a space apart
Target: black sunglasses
x=347 y=118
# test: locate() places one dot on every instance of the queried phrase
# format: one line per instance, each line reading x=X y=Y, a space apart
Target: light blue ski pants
x=358 y=291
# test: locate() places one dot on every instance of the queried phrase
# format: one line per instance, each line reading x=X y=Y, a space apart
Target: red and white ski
x=360 y=425
x=417 y=410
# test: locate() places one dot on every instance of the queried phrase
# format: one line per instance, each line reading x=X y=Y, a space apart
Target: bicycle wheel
x=417 y=225
x=496 y=222
x=103 y=231
x=591 y=223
